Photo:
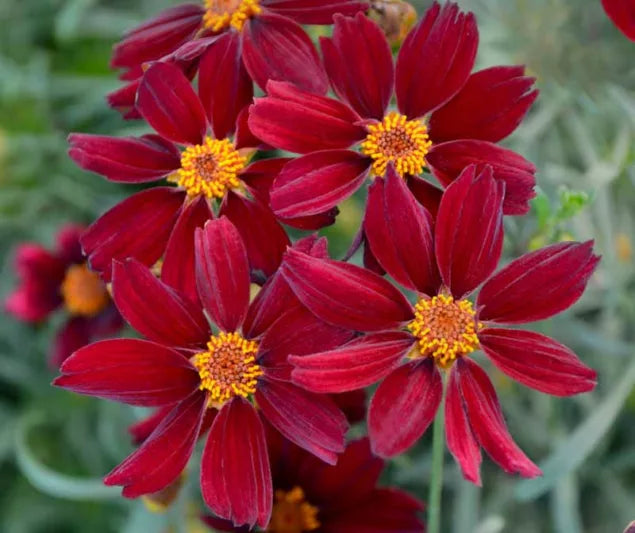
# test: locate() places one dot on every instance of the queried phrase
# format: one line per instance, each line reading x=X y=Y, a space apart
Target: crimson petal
x=71 y=336
x=428 y=195
x=141 y=430
x=622 y=13
x=258 y=177
x=314 y=11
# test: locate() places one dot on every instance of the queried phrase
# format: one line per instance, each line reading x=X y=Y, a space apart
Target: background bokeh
x=54 y=446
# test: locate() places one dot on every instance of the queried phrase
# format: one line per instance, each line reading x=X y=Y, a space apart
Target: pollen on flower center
x=228 y=368
x=396 y=139
x=84 y=293
x=292 y=513
x=210 y=169
x=445 y=329
x=221 y=14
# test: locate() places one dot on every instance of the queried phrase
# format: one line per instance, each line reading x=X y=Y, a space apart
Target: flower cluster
x=260 y=345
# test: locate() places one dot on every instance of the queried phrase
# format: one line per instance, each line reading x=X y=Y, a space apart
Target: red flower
x=160 y=222
x=622 y=13
x=467 y=115
x=268 y=42
x=60 y=278
x=443 y=265
x=185 y=365
x=313 y=496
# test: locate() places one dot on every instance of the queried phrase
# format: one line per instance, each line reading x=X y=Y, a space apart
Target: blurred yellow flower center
x=445 y=329
x=228 y=368
x=84 y=293
x=210 y=169
x=396 y=139
x=221 y=14
x=292 y=513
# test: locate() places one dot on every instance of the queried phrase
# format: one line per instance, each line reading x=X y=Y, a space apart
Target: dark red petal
x=131 y=371
x=403 y=407
x=539 y=284
x=123 y=99
x=458 y=433
x=622 y=13
x=223 y=84
x=73 y=334
x=169 y=104
x=263 y=236
x=141 y=430
x=67 y=245
x=352 y=404
x=177 y=269
x=276 y=48
x=222 y=273
x=235 y=473
x=435 y=59
x=355 y=365
x=301 y=122
x=312 y=421
x=154 y=309
x=537 y=361
x=126 y=160
x=447 y=161
x=428 y=195
x=244 y=137
x=218 y=524
x=345 y=295
x=258 y=177
x=358 y=61
x=317 y=182
x=138 y=227
x=469 y=230
x=314 y=11
x=489 y=107
x=486 y=420
x=164 y=454
x=400 y=234
x=29 y=304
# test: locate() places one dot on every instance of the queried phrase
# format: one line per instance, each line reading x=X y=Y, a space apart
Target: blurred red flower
x=622 y=13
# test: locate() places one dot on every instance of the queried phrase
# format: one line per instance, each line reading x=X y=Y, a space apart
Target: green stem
x=436 y=473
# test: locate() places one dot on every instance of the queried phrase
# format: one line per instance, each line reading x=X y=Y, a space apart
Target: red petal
x=399 y=232
x=140 y=431
x=178 y=270
x=73 y=335
x=312 y=421
x=355 y=365
x=345 y=295
x=154 y=309
x=67 y=243
x=489 y=107
x=223 y=84
x=539 y=284
x=622 y=13
x=352 y=404
x=235 y=473
x=138 y=227
x=435 y=59
x=276 y=48
x=403 y=407
x=425 y=193
x=469 y=231
x=317 y=182
x=127 y=160
x=448 y=160
x=164 y=454
x=486 y=419
x=258 y=176
x=222 y=273
x=358 y=61
x=170 y=105
x=301 y=122
x=131 y=371
x=537 y=361
x=314 y=11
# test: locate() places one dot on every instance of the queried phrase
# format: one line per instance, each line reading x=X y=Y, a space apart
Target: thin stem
x=436 y=474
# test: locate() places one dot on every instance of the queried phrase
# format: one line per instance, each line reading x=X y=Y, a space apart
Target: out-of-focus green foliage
x=54 y=446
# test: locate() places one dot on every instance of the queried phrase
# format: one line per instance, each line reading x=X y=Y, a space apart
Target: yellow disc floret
x=292 y=513
x=210 y=169
x=221 y=14
x=396 y=139
x=445 y=329
x=84 y=293
x=228 y=368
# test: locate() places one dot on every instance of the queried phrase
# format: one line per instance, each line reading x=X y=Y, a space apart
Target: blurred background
x=55 y=446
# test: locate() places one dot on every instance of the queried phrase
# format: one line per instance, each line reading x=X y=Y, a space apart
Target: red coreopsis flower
x=311 y=496
x=212 y=168
x=193 y=369
x=261 y=39
x=60 y=278
x=344 y=140
x=409 y=347
x=622 y=14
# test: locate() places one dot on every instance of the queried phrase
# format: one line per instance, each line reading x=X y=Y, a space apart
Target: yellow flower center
x=445 y=329
x=83 y=291
x=210 y=169
x=396 y=139
x=292 y=513
x=228 y=368
x=221 y=14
